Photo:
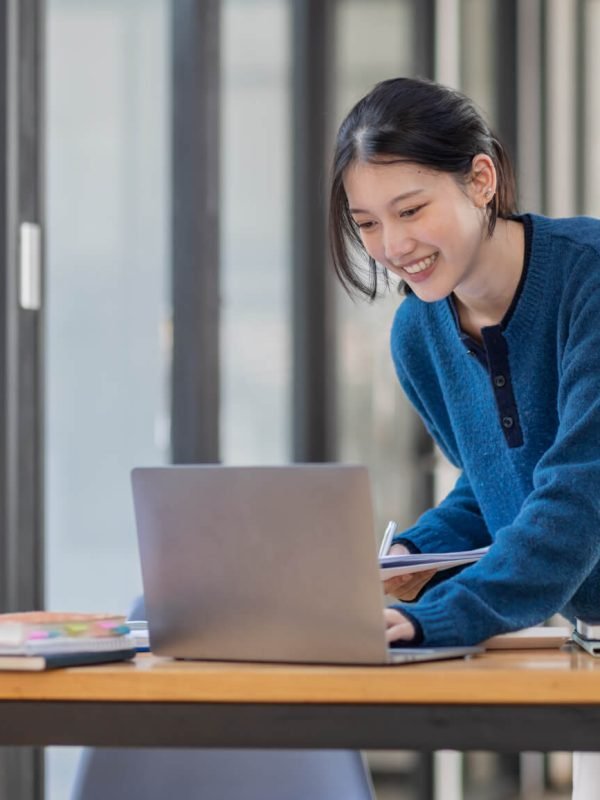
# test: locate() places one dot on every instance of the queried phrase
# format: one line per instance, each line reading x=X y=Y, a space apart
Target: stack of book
x=40 y=640
x=587 y=635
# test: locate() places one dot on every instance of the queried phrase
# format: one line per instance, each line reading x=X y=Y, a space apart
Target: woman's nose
x=397 y=246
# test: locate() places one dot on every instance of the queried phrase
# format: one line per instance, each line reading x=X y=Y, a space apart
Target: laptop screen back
x=260 y=563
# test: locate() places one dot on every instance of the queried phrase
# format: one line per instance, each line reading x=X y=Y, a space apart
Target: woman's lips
x=423 y=274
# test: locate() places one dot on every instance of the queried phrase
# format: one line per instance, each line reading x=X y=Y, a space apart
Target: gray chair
x=123 y=774
x=155 y=774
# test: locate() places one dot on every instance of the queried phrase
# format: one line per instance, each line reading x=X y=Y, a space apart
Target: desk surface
x=500 y=700
x=529 y=677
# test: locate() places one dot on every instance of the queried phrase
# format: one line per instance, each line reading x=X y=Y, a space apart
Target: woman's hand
x=406 y=587
x=397 y=626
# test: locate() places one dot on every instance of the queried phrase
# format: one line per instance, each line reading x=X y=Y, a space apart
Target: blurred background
x=175 y=155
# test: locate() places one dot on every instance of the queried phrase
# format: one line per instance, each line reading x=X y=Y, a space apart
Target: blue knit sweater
x=520 y=417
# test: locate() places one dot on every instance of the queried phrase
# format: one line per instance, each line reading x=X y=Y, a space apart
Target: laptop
x=273 y=564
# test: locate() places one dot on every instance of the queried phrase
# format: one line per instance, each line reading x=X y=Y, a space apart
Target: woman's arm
x=538 y=563
x=455 y=524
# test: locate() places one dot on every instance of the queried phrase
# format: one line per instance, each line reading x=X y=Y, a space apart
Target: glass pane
x=374 y=41
x=108 y=305
x=591 y=102
x=478 y=55
x=256 y=331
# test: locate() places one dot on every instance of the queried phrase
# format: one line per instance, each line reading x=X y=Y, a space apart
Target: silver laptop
x=264 y=564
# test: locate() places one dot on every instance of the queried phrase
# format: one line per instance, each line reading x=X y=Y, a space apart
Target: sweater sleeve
x=455 y=524
x=538 y=562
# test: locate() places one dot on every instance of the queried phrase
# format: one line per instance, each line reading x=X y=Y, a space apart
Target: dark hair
x=421 y=122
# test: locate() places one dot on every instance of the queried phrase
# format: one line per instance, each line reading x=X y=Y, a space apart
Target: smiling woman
x=498 y=348
x=413 y=143
x=434 y=234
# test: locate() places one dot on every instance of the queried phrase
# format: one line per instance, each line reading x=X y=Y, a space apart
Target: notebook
x=274 y=564
x=40 y=662
x=40 y=640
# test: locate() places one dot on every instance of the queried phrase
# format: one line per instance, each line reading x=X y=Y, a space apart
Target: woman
x=497 y=345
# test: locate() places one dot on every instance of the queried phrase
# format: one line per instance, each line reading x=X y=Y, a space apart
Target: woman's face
x=419 y=224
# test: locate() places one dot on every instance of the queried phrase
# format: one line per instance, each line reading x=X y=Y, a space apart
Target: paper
x=530 y=638
x=392 y=565
x=139 y=634
x=66 y=644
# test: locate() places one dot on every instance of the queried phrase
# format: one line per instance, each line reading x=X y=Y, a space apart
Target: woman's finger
x=396 y=582
x=403 y=631
x=410 y=585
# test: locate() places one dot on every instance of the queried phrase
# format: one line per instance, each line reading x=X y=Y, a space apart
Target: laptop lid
x=264 y=564
x=260 y=563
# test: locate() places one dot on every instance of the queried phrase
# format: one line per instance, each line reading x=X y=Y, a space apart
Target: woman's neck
x=485 y=296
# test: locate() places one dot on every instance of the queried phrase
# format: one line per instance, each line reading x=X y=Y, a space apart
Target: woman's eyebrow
x=403 y=196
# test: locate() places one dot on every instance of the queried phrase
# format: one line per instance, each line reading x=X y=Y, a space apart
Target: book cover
x=588 y=629
x=30 y=626
x=38 y=640
x=40 y=663
x=591 y=646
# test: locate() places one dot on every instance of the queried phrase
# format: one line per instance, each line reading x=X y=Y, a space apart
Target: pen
x=387 y=538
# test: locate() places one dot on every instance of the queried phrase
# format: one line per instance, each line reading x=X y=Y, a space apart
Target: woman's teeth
x=420 y=266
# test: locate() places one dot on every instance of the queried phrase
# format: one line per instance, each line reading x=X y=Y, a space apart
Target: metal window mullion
x=312 y=295
x=560 y=109
x=21 y=586
x=195 y=231
x=8 y=323
x=30 y=320
x=447 y=42
x=427 y=17
x=21 y=395
x=506 y=52
x=425 y=28
x=530 y=106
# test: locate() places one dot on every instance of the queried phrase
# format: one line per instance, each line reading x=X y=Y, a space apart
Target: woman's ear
x=482 y=183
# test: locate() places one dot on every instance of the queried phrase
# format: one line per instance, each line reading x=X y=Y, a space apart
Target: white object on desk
x=530 y=638
x=139 y=634
x=386 y=542
x=392 y=565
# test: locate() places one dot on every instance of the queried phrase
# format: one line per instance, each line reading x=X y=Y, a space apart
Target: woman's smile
x=419 y=270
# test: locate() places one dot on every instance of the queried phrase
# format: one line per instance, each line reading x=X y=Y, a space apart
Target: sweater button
x=499 y=381
x=507 y=422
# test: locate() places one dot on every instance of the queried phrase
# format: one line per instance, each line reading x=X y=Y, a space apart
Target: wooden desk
x=528 y=700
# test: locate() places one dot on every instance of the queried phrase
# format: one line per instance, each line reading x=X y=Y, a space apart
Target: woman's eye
x=364 y=226
x=410 y=212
